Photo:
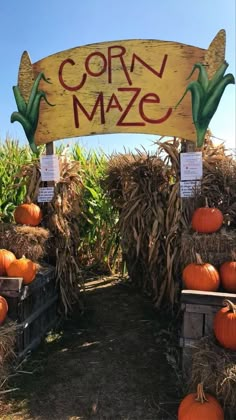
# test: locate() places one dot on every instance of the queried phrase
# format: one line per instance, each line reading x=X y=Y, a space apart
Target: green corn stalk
x=12 y=157
x=206 y=95
x=98 y=222
x=28 y=113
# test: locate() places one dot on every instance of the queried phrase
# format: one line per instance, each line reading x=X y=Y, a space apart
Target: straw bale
x=214 y=248
x=24 y=240
x=7 y=345
x=215 y=367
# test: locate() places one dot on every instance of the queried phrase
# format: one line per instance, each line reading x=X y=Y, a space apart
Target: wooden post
x=50 y=150
x=188 y=146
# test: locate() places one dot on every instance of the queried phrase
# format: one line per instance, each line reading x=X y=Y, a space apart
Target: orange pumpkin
x=24 y=268
x=28 y=214
x=3 y=309
x=200 y=406
x=207 y=219
x=6 y=258
x=201 y=276
x=228 y=276
x=224 y=325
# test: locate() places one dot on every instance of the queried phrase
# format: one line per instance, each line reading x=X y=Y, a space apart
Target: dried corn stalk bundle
x=215 y=367
x=30 y=176
x=61 y=219
x=32 y=242
x=145 y=190
x=219 y=180
x=174 y=222
x=218 y=184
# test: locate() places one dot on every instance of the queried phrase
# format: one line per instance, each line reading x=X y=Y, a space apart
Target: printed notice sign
x=45 y=194
x=50 y=168
x=189 y=188
x=191 y=166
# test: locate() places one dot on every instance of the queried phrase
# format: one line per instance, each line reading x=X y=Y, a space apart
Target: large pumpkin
x=224 y=325
x=200 y=406
x=3 y=309
x=28 y=214
x=23 y=267
x=228 y=276
x=207 y=219
x=201 y=276
x=6 y=258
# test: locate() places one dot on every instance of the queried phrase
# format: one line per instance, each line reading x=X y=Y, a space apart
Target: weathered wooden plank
x=208 y=323
x=33 y=307
x=205 y=298
x=193 y=325
x=201 y=309
x=10 y=286
x=187 y=342
x=37 y=313
x=186 y=361
x=37 y=340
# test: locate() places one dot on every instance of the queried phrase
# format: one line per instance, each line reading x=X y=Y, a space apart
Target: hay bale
x=215 y=248
x=215 y=367
x=24 y=240
x=7 y=347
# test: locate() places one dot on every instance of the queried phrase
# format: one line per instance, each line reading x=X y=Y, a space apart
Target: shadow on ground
x=116 y=361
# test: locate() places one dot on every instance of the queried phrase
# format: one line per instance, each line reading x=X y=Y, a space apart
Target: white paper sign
x=50 y=168
x=46 y=194
x=191 y=166
x=189 y=188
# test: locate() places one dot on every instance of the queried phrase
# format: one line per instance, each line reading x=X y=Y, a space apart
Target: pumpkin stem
x=201 y=397
x=199 y=259
x=206 y=202
x=231 y=305
x=27 y=199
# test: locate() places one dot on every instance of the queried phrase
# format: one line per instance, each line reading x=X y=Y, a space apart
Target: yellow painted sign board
x=127 y=86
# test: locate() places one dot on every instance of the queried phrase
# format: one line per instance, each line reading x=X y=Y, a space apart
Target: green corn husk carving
x=206 y=95
x=28 y=113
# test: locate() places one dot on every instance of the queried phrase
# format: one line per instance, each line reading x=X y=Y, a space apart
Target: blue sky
x=48 y=26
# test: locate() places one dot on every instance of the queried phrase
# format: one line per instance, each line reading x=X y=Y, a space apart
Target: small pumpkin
x=28 y=214
x=3 y=309
x=224 y=325
x=23 y=267
x=201 y=276
x=207 y=219
x=200 y=406
x=6 y=258
x=228 y=276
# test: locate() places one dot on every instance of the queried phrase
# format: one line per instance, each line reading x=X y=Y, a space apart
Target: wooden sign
x=128 y=86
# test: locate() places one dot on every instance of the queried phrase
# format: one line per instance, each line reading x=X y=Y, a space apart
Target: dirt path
x=112 y=363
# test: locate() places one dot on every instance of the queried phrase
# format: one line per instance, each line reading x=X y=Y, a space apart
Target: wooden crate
x=33 y=307
x=199 y=309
